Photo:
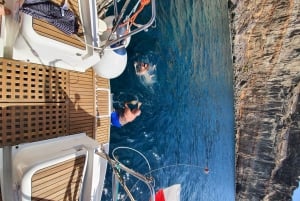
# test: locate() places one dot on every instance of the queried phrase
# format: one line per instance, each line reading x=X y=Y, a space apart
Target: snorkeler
x=141 y=68
x=119 y=119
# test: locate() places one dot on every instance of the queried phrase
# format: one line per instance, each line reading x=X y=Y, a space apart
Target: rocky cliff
x=266 y=54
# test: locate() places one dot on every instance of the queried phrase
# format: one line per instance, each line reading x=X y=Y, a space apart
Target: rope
x=131 y=20
x=149 y=173
x=143 y=4
x=142 y=155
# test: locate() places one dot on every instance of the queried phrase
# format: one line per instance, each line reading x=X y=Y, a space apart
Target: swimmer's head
x=141 y=68
x=206 y=170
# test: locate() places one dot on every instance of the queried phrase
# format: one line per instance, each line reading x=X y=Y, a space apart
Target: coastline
x=266 y=59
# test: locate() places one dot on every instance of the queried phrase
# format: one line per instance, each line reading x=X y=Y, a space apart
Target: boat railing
x=116 y=166
x=118 y=18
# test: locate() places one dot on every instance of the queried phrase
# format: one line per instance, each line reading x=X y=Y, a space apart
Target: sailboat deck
x=51 y=183
x=40 y=102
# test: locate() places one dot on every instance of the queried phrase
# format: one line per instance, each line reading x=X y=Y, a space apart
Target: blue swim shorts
x=114 y=117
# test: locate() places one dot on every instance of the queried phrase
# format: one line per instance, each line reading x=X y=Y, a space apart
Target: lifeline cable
x=113 y=154
x=164 y=167
x=149 y=173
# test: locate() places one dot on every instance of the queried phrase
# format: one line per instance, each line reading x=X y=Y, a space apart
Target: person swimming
x=206 y=170
x=119 y=119
x=141 y=68
x=146 y=73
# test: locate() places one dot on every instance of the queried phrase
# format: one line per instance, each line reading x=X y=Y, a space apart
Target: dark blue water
x=187 y=120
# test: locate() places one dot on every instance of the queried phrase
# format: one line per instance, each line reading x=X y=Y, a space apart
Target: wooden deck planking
x=45 y=29
x=103 y=115
x=102 y=100
x=41 y=102
x=59 y=169
x=102 y=128
x=102 y=83
x=51 y=184
x=82 y=102
x=31 y=82
x=32 y=102
x=32 y=122
x=55 y=178
x=62 y=194
x=65 y=188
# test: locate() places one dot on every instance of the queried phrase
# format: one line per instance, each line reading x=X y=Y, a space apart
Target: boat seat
x=45 y=29
x=64 y=168
x=60 y=181
x=42 y=43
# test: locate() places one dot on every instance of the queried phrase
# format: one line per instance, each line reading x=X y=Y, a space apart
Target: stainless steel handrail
x=135 y=31
x=148 y=181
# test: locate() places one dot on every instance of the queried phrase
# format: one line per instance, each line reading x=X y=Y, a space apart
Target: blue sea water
x=187 y=120
x=296 y=193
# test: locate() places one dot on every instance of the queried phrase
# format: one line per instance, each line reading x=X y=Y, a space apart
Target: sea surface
x=187 y=120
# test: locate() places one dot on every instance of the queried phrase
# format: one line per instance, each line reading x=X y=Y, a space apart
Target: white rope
x=113 y=154
x=152 y=198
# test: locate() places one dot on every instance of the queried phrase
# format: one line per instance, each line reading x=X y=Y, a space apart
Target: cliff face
x=266 y=53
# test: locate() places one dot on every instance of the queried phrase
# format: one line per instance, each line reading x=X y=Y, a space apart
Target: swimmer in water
x=119 y=119
x=141 y=68
x=206 y=170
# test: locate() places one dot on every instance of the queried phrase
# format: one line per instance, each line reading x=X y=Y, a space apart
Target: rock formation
x=266 y=54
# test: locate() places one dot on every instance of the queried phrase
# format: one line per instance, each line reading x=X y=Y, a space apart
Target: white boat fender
x=113 y=62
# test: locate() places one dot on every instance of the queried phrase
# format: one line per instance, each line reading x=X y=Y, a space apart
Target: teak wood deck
x=45 y=29
x=40 y=102
x=59 y=182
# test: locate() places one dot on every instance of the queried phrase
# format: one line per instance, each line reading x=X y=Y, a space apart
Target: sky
x=296 y=194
